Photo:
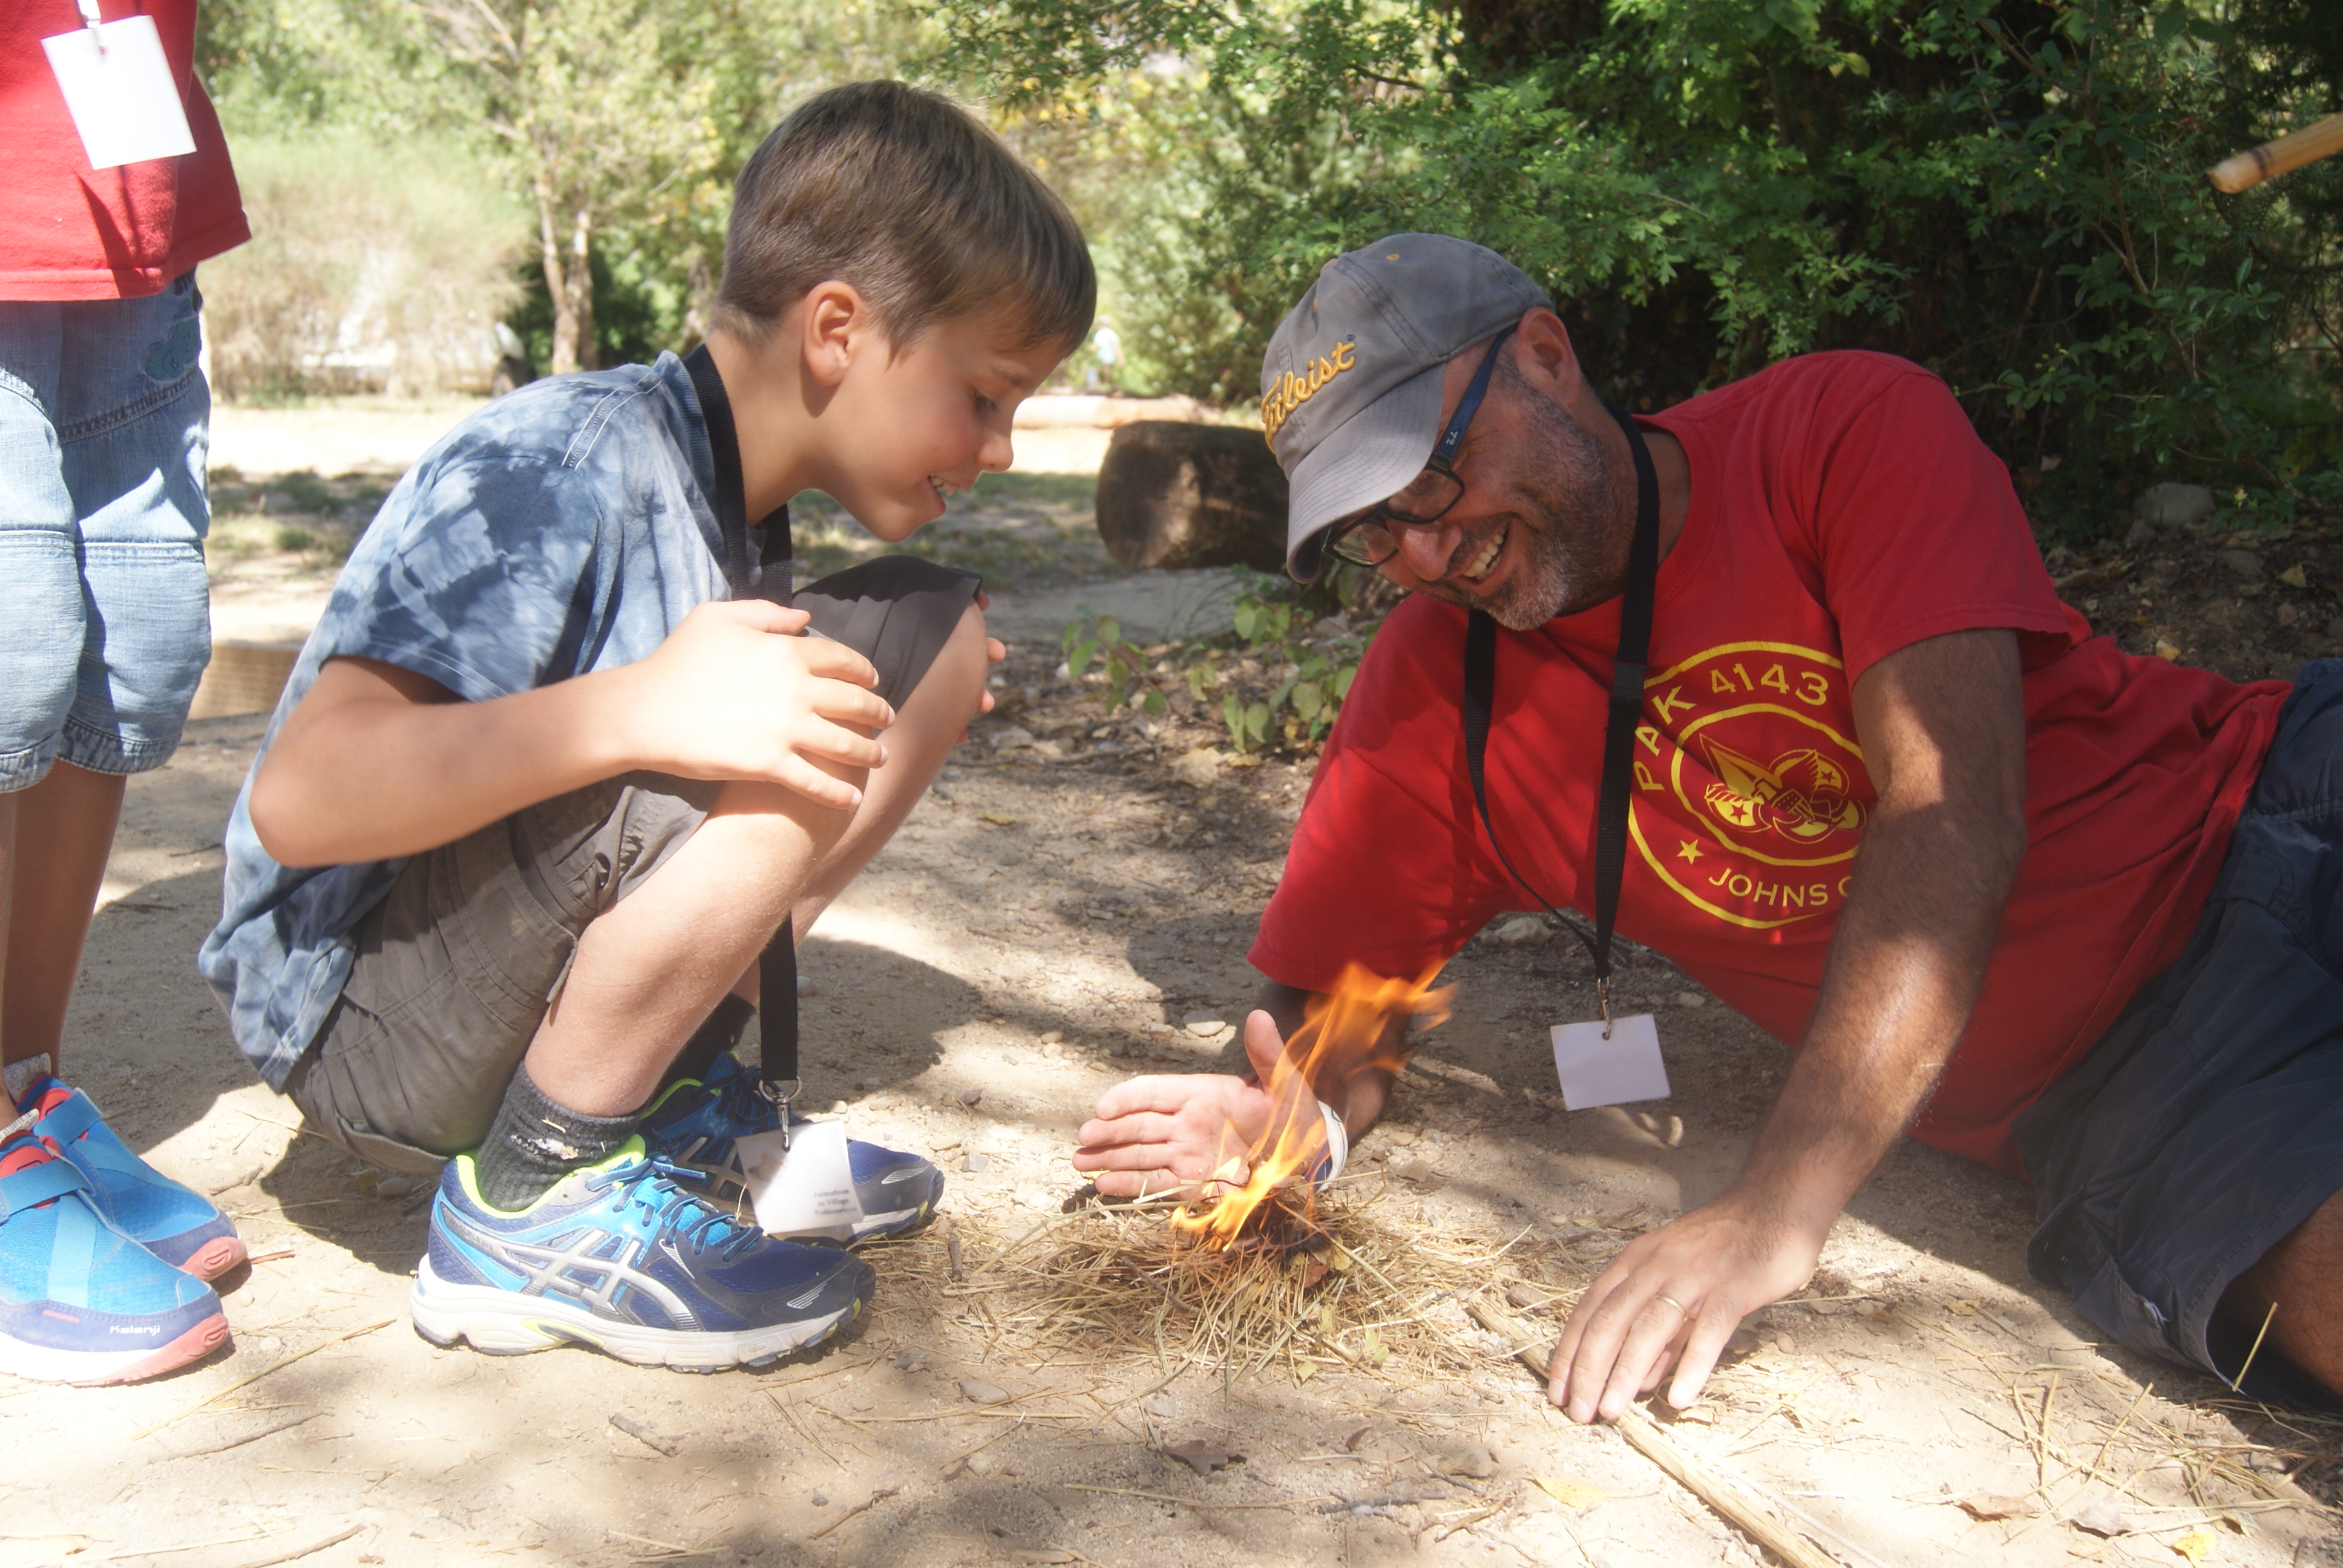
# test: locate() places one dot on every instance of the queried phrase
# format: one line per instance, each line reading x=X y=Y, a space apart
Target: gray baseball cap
x=1350 y=389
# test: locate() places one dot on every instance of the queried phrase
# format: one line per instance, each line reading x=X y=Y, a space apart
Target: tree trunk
x=569 y=284
x=1178 y=495
x=562 y=359
x=580 y=282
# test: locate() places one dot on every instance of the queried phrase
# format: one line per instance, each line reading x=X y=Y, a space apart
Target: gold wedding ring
x=1678 y=1305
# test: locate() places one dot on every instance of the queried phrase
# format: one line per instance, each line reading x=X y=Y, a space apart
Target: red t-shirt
x=71 y=232
x=1841 y=508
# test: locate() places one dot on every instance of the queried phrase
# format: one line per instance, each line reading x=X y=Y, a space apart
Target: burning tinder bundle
x=1266 y=1266
x=1351 y=1290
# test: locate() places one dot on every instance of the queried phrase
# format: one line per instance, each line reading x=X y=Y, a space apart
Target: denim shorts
x=2208 y=1124
x=104 y=620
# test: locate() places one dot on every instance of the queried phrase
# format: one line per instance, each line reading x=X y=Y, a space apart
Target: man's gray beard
x=1571 y=486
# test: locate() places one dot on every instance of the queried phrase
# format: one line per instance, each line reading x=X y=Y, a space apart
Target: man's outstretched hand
x=1672 y=1299
x=1171 y=1134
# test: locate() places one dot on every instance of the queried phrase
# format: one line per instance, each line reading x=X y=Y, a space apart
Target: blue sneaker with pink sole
x=169 y=1219
x=81 y=1302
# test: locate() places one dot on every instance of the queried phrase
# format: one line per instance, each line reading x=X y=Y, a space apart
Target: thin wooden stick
x=1727 y=1496
x=301 y=1551
x=278 y=1365
x=2116 y=1430
x=1194 y=1502
x=2265 y=1316
x=866 y=1504
x=2272 y=158
x=254 y=1437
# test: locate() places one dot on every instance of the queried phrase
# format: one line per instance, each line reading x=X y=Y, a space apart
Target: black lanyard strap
x=776 y=966
x=1627 y=706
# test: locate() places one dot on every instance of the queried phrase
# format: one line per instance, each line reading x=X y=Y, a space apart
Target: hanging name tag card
x=1619 y=1070
x=804 y=1187
x=119 y=89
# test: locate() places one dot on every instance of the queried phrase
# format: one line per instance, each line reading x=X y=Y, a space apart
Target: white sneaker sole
x=507 y=1323
x=89 y=1369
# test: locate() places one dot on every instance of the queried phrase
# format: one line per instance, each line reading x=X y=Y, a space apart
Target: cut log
x=1177 y=494
x=243 y=677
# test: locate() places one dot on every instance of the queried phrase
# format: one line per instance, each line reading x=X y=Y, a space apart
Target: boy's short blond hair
x=906 y=197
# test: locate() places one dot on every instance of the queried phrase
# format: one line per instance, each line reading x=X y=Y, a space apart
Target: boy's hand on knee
x=738 y=692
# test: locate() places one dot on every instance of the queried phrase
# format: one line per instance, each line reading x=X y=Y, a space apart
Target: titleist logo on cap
x=1294 y=390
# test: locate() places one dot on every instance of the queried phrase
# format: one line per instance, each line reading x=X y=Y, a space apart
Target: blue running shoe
x=696 y=1121
x=622 y=1257
x=175 y=1222
x=81 y=1302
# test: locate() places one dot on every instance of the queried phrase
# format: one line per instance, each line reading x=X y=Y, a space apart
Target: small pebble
x=976 y=1391
x=973 y=1162
x=819 y=1501
x=969 y=1097
x=1052 y=1037
x=807 y=987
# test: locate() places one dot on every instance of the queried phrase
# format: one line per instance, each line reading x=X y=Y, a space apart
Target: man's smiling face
x=1543 y=525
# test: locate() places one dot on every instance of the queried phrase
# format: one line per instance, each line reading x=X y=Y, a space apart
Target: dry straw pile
x=1339 y=1287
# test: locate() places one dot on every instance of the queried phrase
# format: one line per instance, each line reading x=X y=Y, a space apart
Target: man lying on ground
x=567 y=762
x=2094 y=934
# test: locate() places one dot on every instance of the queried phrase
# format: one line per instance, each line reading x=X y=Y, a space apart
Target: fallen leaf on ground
x=2196 y=1545
x=2100 y=1518
x=1202 y=1457
x=1569 y=1492
x=1000 y=818
x=1995 y=1506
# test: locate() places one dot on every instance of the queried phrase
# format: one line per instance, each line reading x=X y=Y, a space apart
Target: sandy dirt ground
x=1055 y=917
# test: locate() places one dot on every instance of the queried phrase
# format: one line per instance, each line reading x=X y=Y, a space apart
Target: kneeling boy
x=566 y=752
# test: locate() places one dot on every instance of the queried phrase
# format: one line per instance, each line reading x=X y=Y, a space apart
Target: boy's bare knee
x=764 y=821
x=947 y=693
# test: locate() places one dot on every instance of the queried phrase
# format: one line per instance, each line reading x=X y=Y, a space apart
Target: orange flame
x=1340 y=1031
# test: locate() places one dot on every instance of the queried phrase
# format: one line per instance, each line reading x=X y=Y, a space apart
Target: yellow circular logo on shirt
x=1750 y=795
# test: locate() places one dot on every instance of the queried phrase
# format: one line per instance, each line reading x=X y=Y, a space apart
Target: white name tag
x=119 y=90
x=1619 y=1070
x=805 y=1187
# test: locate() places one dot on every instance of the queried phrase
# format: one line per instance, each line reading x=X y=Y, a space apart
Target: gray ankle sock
x=534 y=1142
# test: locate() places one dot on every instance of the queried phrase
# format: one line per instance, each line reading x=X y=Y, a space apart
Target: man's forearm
x=1903 y=974
x=380 y=775
x=1357 y=1091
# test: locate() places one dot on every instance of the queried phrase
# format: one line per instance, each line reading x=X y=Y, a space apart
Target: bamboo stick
x=2273 y=158
x=1745 y=1511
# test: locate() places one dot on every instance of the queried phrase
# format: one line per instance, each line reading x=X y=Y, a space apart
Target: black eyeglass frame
x=1382 y=514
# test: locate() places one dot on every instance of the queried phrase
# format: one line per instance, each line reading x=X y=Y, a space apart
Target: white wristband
x=1337 y=1143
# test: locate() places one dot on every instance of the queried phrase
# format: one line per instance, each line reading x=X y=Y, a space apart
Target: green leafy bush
x=2010 y=191
x=370 y=268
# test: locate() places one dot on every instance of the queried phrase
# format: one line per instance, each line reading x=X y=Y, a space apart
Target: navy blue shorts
x=2209 y=1122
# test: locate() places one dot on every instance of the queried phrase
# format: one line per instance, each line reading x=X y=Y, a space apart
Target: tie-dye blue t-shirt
x=564 y=528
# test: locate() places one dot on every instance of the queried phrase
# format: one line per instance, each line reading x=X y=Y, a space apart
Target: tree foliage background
x=615 y=126
x=2008 y=191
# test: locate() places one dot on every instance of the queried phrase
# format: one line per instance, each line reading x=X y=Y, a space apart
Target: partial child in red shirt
x=104 y=631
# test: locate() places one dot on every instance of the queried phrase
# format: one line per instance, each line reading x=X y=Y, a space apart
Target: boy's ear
x=834 y=317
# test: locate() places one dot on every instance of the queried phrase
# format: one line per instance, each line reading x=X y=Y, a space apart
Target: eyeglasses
x=1372 y=536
